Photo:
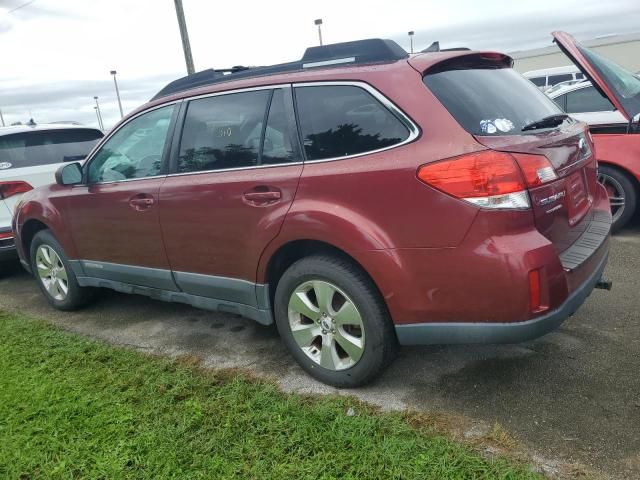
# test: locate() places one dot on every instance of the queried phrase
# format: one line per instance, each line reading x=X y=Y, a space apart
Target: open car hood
x=619 y=85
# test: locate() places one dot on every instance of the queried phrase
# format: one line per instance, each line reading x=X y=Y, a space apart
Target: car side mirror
x=70 y=174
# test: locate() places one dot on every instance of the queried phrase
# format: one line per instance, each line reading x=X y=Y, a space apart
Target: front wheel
x=54 y=275
x=622 y=195
x=333 y=321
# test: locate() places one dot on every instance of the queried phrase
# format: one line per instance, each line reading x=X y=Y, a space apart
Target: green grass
x=76 y=408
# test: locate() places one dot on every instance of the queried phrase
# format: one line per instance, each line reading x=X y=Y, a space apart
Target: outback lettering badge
x=551 y=198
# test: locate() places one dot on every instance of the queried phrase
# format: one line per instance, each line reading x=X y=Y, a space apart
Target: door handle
x=261 y=196
x=141 y=202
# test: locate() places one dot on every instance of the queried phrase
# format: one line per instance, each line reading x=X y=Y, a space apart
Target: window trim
x=414 y=130
x=164 y=167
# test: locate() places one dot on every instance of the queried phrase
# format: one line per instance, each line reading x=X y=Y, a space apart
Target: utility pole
x=411 y=39
x=186 y=46
x=2 y=118
x=97 y=107
x=318 y=22
x=115 y=82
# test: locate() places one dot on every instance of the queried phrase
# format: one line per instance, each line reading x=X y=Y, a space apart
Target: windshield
x=626 y=85
x=43 y=147
x=490 y=101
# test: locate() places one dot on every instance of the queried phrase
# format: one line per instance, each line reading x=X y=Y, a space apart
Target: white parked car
x=29 y=158
x=548 y=77
x=583 y=102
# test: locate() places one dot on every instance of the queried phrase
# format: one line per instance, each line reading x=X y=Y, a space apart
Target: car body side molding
x=208 y=292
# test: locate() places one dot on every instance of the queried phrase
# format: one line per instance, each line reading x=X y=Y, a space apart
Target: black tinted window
x=587 y=100
x=539 y=81
x=277 y=136
x=490 y=101
x=29 y=149
x=553 y=79
x=344 y=120
x=135 y=150
x=223 y=132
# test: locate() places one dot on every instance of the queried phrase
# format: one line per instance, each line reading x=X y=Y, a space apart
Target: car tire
x=353 y=315
x=615 y=179
x=54 y=274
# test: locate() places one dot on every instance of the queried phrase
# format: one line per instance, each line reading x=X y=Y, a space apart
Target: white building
x=622 y=49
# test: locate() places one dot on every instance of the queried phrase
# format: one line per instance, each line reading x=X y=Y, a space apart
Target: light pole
x=318 y=22
x=186 y=46
x=2 y=118
x=411 y=39
x=97 y=107
x=98 y=117
x=115 y=82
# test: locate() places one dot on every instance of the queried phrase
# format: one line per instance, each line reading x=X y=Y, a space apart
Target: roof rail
x=359 y=52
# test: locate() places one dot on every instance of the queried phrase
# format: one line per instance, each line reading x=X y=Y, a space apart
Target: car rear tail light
x=6 y=235
x=9 y=189
x=488 y=179
x=537 y=169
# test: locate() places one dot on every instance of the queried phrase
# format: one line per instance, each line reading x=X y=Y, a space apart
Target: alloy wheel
x=616 y=194
x=326 y=325
x=52 y=273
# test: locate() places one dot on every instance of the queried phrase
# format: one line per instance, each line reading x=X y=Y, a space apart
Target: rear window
x=489 y=100
x=44 y=147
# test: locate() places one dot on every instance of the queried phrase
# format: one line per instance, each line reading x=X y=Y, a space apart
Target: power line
x=21 y=6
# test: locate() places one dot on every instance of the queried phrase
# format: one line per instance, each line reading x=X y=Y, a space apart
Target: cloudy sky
x=57 y=54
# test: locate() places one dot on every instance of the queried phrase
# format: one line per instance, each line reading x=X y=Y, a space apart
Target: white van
x=548 y=77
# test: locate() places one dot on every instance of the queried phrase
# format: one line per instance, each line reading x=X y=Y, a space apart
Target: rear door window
x=342 y=120
x=587 y=100
x=224 y=131
x=44 y=147
x=490 y=101
x=279 y=137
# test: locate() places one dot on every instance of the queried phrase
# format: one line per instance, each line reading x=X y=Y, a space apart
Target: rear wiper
x=546 y=122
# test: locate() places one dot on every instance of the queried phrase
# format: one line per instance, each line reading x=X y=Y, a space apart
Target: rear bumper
x=513 y=332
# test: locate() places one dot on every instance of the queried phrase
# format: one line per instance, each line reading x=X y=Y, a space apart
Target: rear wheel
x=333 y=321
x=54 y=275
x=622 y=194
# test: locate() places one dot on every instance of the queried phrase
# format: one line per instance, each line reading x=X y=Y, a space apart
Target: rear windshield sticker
x=492 y=126
x=5 y=165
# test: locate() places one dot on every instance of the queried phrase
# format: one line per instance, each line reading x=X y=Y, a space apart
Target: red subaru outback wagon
x=359 y=198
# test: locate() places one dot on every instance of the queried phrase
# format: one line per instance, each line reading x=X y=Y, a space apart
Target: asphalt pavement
x=570 y=396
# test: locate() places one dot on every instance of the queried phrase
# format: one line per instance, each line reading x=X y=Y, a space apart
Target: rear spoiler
x=459 y=60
